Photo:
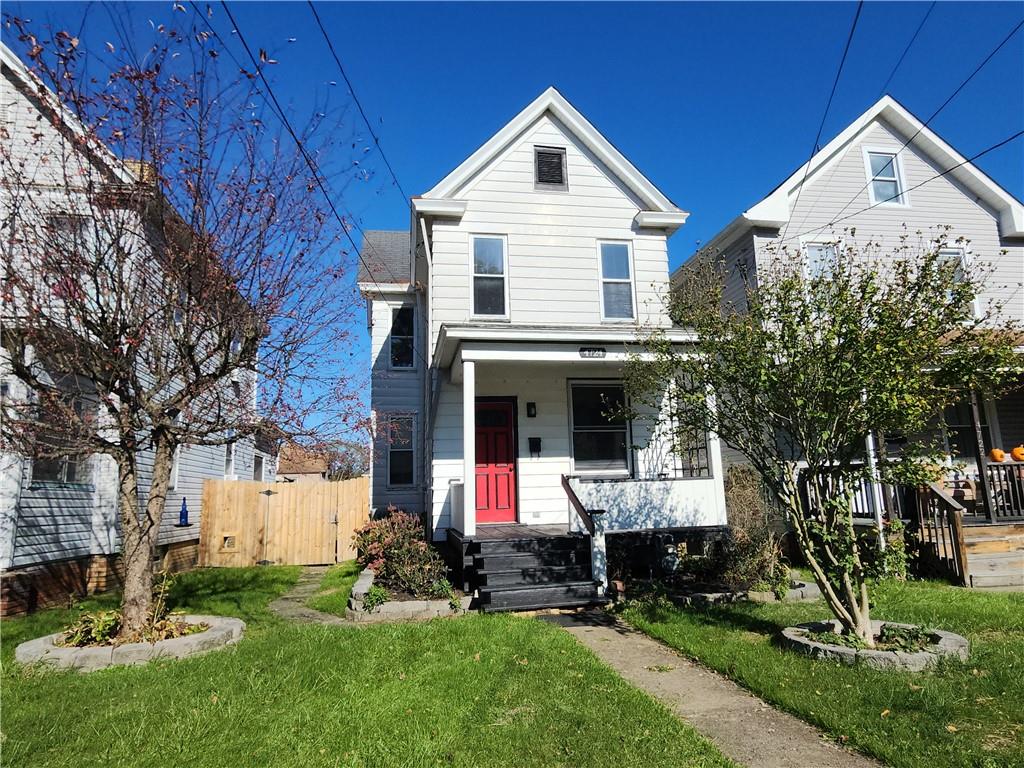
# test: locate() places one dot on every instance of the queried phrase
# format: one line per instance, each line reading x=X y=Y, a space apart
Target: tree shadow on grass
x=242 y=592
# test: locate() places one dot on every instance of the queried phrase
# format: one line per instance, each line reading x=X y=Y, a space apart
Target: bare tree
x=171 y=274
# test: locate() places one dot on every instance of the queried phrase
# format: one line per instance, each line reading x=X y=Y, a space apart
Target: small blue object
x=183 y=514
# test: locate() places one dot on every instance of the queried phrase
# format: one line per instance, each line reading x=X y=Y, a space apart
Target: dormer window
x=549 y=168
x=885 y=184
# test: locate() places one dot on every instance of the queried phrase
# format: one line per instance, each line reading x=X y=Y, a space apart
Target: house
x=499 y=322
x=59 y=529
x=888 y=175
x=298 y=464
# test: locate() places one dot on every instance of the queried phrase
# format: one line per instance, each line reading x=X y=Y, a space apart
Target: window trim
x=543 y=186
x=83 y=467
x=837 y=245
x=597 y=474
x=391 y=335
x=389 y=418
x=964 y=255
x=263 y=467
x=229 y=447
x=901 y=200
x=473 y=275
x=601 y=280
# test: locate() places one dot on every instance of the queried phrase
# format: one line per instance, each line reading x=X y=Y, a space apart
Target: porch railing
x=1006 y=486
x=893 y=499
x=585 y=515
x=940 y=534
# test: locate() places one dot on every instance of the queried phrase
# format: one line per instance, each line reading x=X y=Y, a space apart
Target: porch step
x=985 y=531
x=534 y=575
x=538 y=596
x=512 y=561
x=998 y=580
x=1005 y=569
x=538 y=546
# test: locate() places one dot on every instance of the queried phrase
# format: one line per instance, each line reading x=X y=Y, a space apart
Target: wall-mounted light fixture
x=531 y=410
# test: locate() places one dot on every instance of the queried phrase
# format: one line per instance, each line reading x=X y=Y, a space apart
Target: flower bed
x=807 y=638
x=49 y=650
x=362 y=609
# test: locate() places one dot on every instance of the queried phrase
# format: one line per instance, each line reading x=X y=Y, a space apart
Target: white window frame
x=230 y=457
x=541 y=186
x=412 y=448
x=392 y=309
x=621 y=474
x=963 y=255
x=81 y=462
x=601 y=280
x=836 y=245
x=901 y=200
x=263 y=467
x=472 y=275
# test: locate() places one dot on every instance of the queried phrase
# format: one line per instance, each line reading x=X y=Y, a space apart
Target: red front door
x=495 y=462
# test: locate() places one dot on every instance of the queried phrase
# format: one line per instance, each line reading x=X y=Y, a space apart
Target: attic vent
x=550 y=166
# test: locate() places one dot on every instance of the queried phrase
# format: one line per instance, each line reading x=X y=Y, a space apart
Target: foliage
x=375 y=597
x=335 y=588
x=93 y=628
x=981 y=700
x=752 y=556
x=394 y=548
x=896 y=558
x=806 y=367
x=890 y=638
x=293 y=694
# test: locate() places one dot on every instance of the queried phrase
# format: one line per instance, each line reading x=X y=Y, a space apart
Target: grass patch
x=336 y=588
x=477 y=690
x=968 y=715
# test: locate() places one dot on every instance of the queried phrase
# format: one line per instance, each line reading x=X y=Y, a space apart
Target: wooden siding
x=553 y=275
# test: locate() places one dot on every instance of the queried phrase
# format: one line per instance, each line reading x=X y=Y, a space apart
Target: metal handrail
x=585 y=515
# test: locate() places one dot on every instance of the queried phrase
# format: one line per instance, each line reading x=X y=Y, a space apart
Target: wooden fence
x=304 y=523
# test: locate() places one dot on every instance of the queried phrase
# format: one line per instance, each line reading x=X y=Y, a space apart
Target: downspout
x=428 y=385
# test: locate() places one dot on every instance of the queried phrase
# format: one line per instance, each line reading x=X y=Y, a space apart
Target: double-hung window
x=958 y=259
x=490 y=276
x=616 y=281
x=820 y=260
x=885 y=179
x=54 y=460
x=401 y=463
x=403 y=349
x=600 y=432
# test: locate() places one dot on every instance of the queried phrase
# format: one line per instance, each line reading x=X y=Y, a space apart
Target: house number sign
x=592 y=352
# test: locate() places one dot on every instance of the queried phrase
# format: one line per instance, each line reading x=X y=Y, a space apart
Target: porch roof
x=542 y=343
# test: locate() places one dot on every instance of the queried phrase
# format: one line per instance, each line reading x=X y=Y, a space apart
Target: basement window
x=549 y=168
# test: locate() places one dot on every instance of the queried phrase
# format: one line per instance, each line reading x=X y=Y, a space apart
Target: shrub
x=375 y=595
x=394 y=548
x=752 y=557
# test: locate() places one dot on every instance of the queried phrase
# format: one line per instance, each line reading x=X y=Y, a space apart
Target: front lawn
x=479 y=690
x=336 y=588
x=961 y=715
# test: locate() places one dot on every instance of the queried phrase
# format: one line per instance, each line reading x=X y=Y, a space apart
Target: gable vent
x=550 y=167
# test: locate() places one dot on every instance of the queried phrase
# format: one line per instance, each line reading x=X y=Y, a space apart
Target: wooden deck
x=513 y=531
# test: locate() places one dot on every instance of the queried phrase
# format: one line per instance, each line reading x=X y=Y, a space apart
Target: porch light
x=531 y=410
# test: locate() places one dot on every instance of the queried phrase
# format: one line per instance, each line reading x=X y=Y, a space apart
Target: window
x=402 y=349
x=175 y=462
x=400 y=451
x=549 y=168
x=257 y=468
x=616 y=282
x=819 y=260
x=599 y=430
x=229 y=460
x=50 y=464
x=958 y=258
x=489 y=273
x=886 y=185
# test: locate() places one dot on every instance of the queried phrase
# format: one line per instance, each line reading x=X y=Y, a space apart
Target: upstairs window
x=401 y=465
x=549 y=168
x=402 y=337
x=490 y=288
x=55 y=460
x=886 y=182
x=616 y=282
x=600 y=433
x=820 y=260
x=958 y=259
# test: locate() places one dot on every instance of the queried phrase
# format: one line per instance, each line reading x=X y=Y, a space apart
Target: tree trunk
x=136 y=551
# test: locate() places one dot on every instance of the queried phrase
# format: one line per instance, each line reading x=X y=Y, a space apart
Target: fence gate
x=247 y=523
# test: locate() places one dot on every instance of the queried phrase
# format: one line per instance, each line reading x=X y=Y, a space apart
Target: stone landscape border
x=943 y=644
x=397 y=610
x=223 y=631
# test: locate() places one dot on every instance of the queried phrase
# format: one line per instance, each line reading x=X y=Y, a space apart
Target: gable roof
x=387 y=253
x=774 y=210
x=551 y=101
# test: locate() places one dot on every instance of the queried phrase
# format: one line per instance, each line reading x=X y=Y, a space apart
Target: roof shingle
x=386 y=257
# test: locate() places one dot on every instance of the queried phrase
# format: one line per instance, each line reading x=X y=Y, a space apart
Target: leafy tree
x=806 y=367
x=172 y=276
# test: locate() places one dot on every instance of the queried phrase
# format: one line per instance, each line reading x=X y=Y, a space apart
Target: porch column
x=982 y=459
x=469 y=447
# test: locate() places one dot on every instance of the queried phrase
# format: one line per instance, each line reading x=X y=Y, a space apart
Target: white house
x=58 y=516
x=499 y=324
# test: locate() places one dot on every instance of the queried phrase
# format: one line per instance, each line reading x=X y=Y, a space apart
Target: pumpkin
x=997 y=455
x=1018 y=453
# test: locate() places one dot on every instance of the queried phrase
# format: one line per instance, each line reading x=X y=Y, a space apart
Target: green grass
x=479 y=690
x=335 y=588
x=960 y=715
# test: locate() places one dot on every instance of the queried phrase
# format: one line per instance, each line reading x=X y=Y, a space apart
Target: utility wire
x=934 y=114
x=369 y=125
x=907 y=49
x=828 y=105
x=949 y=170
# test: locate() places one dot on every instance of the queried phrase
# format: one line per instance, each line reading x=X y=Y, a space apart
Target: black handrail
x=574 y=500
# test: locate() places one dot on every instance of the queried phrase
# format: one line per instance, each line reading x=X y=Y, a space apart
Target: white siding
x=552 y=238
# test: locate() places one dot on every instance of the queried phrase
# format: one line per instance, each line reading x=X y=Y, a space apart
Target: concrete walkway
x=292 y=604
x=741 y=725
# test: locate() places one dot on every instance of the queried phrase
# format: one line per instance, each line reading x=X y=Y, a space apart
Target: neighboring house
x=887 y=175
x=297 y=464
x=58 y=517
x=499 y=326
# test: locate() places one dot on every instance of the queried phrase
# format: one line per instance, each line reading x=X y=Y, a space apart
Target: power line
x=907 y=49
x=828 y=105
x=934 y=114
x=369 y=126
x=312 y=165
x=949 y=170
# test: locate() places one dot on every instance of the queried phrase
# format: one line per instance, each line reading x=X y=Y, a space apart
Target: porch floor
x=513 y=531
